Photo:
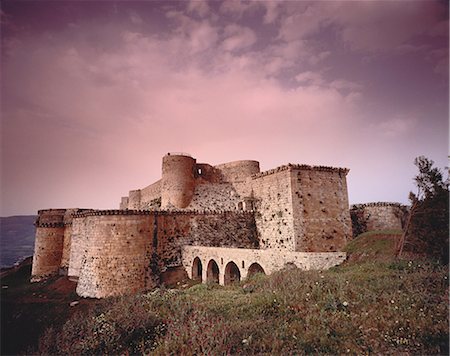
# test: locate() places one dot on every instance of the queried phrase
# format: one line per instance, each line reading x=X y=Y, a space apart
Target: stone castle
x=212 y=223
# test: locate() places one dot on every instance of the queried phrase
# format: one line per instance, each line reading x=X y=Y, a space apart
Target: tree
x=426 y=228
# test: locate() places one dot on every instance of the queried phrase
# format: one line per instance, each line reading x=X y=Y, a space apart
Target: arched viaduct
x=227 y=265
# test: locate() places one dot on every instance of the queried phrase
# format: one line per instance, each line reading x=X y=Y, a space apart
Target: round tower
x=178 y=180
x=48 y=245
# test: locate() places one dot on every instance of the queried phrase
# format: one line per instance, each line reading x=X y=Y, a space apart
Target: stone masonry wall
x=134 y=199
x=151 y=195
x=377 y=216
x=48 y=249
x=48 y=245
x=118 y=255
x=123 y=203
x=273 y=205
x=320 y=205
x=221 y=229
x=270 y=260
x=119 y=252
x=78 y=246
x=238 y=171
x=68 y=219
x=65 y=257
x=209 y=196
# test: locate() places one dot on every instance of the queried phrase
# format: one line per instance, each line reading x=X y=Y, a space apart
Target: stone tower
x=177 y=181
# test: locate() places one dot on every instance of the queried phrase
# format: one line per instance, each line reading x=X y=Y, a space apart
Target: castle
x=213 y=223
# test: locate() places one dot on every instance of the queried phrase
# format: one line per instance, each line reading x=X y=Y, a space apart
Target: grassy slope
x=387 y=306
x=373 y=246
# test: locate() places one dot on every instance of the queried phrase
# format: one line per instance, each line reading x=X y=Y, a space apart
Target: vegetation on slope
x=373 y=303
x=381 y=307
x=373 y=246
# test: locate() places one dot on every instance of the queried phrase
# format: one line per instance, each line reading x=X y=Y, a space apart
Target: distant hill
x=16 y=238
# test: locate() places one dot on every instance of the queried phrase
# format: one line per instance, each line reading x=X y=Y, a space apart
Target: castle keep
x=214 y=223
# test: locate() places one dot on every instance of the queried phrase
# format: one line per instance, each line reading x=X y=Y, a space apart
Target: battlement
x=372 y=204
x=157 y=212
x=179 y=154
x=304 y=167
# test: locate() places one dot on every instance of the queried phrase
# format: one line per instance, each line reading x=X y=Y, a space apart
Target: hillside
x=16 y=238
x=382 y=306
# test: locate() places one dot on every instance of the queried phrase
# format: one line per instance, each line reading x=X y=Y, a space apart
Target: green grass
x=373 y=245
x=388 y=308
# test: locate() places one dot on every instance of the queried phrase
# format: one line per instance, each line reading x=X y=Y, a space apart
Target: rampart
x=118 y=252
x=52 y=242
x=377 y=216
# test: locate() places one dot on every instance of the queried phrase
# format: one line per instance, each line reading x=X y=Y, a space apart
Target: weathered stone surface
x=293 y=214
x=270 y=260
x=377 y=216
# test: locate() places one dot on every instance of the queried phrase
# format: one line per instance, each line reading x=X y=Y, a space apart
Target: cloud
x=365 y=25
x=234 y=7
x=200 y=7
x=397 y=126
x=309 y=78
x=135 y=18
x=238 y=37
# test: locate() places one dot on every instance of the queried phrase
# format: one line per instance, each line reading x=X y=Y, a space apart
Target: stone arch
x=197 y=269
x=232 y=273
x=255 y=268
x=212 y=272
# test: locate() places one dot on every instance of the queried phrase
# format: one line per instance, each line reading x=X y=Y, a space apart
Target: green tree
x=427 y=225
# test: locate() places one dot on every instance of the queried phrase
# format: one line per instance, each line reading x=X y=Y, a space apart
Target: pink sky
x=95 y=93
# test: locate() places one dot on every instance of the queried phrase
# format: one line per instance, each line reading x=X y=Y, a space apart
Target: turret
x=48 y=248
x=178 y=180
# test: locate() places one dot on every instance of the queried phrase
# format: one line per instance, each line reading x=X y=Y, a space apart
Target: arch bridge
x=226 y=265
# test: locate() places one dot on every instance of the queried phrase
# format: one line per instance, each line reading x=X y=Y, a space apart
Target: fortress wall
x=376 y=216
x=205 y=173
x=219 y=196
x=238 y=171
x=321 y=206
x=48 y=244
x=51 y=216
x=134 y=199
x=68 y=220
x=151 y=196
x=274 y=216
x=118 y=255
x=48 y=247
x=66 y=248
x=178 y=181
x=123 y=203
x=78 y=246
x=227 y=229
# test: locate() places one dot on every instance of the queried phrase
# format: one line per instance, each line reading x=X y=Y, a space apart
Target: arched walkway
x=197 y=269
x=212 y=272
x=255 y=268
x=232 y=273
